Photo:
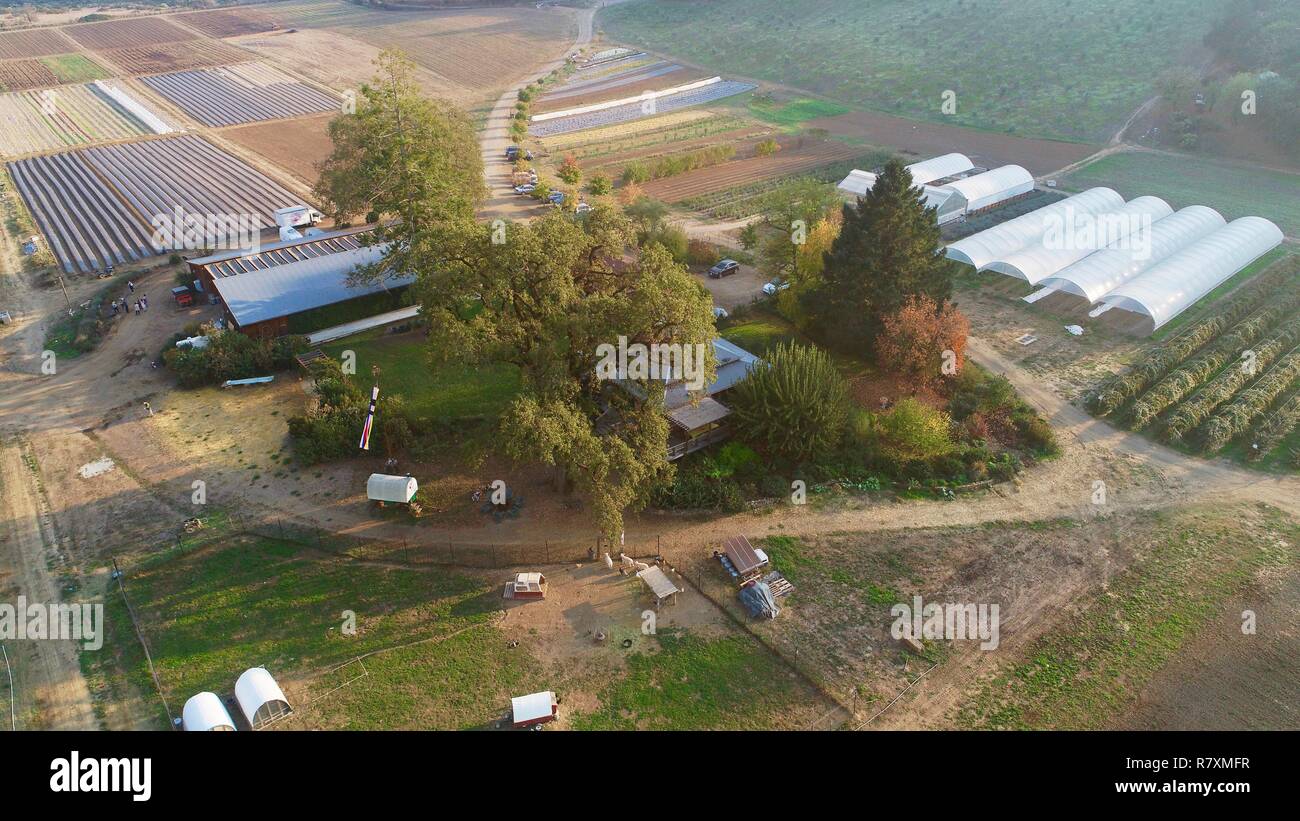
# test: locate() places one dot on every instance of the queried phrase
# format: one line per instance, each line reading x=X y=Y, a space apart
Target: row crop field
x=127 y=33
x=244 y=93
x=477 y=51
x=18 y=45
x=85 y=223
x=740 y=172
x=755 y=197
x=33 y=121
x=228 y=22
x=88 y=222
x=176 y=56
x=625 y=88
x=1231 y=375
x=44 y=72
x=639 y=110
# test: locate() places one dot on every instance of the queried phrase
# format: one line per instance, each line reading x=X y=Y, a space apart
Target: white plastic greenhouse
x=1070 y=237
x=1097 y=274
x=992 y=244
x=1168 y=288
x=260 y=698
x=992 y=187
x=858 y=183
x=203 y=712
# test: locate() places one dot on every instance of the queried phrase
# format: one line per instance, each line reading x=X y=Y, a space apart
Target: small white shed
x=535 y=708
x=383 y=488
x=205 y=712
x=260 y=698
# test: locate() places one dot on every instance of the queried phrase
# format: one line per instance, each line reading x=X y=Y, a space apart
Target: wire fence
x=418 y=548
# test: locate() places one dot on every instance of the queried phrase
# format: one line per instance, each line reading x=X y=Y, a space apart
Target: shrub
x=599 y=185
x=671 y=237
x=570 y=171
x=767 y=148
x=701 y=253
x=915 y=432
x=917 y=339
x=232 y=355
x=692 y=488
x=794 y=405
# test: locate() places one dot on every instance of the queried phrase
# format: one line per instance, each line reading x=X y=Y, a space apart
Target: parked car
x=556 y=198
x=775 y=285
x=725 y=268
x=719 y=313
x=512 y=153
x=526 y=188
x=583 y=208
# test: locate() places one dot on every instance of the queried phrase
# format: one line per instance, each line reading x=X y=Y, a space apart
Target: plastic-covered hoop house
x=923 y=172
x=384 y=488
x=1167 y=289
x=992 y=187
x=1058 y=248
x=260 y=698
x=992 y=244
x=1098 y=274
x=205 y=712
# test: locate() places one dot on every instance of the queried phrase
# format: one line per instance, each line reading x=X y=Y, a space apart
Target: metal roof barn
x=384 y=488
x=204 y=712
x=260 y=698
x=301 y=286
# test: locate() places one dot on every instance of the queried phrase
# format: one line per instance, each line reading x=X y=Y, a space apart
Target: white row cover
x=1170 y=287
x=1098 y=274
x=991 y=187
x=923 y=172
x=1072 y=237
x=992 y=244
x=203 y=712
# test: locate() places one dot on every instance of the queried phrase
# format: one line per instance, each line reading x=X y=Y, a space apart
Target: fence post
x=451 y=551
x=546 y=543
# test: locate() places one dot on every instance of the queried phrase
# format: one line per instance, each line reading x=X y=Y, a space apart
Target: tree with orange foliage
x=923 y=340
x=630 y=193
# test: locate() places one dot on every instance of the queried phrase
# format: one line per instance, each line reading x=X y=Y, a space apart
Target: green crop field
x=74 y=68
x=1232 y=190
x=1030 y=67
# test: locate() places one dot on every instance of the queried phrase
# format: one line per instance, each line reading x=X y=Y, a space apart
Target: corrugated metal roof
x=733 y=364
x=231 y=263
x=300 y=286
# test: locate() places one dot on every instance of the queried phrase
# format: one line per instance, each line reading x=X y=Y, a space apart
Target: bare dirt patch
x=162 y=57
x=140 y=31
x=298 y=146
x=34 y=43
x=228 y=22
x=985 y=148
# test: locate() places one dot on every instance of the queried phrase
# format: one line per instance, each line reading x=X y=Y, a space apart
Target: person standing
x=131 y=285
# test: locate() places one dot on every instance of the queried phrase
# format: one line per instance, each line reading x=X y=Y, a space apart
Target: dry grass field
x=295 y=145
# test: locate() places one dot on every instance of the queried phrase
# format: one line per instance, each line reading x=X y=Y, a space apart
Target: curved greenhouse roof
x=1071 y=237
x=925 y=171
x=260 y=698
x=1168 y=288
x=1001 y=183
x=1097 y=274
x=203 y=712
x=936 y=168
x=992 y=244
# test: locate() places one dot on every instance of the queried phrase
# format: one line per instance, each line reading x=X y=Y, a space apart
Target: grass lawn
x=451 y=391
x=693 y=683
x=211 y=613
x=1029 y=67
x=74 y=68
x=1095 y=663
x=1232 y=190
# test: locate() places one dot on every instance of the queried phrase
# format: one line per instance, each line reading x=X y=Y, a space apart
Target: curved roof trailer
x=1097 y=274
x=1167 y=289
x=982 y=249
x=1058 y=247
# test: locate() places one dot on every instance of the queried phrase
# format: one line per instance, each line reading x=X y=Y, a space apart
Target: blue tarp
x=759 y=601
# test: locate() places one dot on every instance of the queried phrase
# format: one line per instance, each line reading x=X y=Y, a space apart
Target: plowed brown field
x=34 y=43
x=136 y=31
x=228 y=22
x=20 y=75
x=174 y=56
x=740 y=172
